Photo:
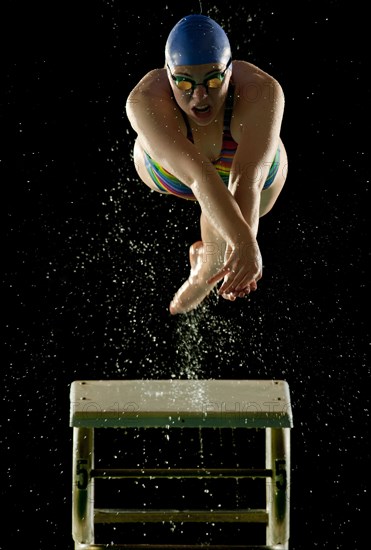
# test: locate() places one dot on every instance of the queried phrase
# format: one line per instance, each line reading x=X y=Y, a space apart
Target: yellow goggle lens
x=214 y=83
x=184 y=85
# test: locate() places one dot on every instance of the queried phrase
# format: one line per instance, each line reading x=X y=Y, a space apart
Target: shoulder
x=154 y=84
x=245 y=74
x=151 y=104
x=255 y=89
x=258 y=99
x=152 y=94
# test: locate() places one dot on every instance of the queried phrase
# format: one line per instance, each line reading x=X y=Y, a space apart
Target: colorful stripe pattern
x=166 y=182
x=273 y=169
x=224 y=163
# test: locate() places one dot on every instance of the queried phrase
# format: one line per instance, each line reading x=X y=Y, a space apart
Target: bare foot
x=195 y=289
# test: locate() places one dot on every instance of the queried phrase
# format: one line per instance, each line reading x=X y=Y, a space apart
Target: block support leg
x=83 y=486
x=277 y=454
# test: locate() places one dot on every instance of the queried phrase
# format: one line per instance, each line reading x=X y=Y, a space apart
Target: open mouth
x=204 y=109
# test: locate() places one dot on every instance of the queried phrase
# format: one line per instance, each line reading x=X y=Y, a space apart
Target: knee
x=137 y=154
x=269 y=196
x=139 y=164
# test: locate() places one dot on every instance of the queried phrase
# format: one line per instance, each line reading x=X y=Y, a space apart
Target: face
x=200 y=90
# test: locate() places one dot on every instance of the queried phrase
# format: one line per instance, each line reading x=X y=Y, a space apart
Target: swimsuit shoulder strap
x=228 y=111
x=188 y=126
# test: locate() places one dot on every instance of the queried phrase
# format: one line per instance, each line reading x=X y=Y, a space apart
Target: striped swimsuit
x=167 y=183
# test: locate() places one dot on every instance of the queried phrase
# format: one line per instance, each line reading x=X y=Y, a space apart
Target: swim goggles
x=213 y=80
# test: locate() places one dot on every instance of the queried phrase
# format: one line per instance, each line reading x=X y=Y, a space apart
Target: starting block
x=147 y=404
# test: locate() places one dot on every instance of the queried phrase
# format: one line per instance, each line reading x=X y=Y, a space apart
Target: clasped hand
x=242 y=269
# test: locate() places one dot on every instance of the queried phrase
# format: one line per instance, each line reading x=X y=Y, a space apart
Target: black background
x=92 y=258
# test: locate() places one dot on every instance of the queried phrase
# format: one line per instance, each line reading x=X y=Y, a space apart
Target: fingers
x=238 y=283
x=219 y=275
x=233 y=295
x=254 y=285
x=240 y=274
x=232 y=278
x=231 y=292
x=232 y=285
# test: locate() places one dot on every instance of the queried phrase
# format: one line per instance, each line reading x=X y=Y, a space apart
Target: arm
x=256 y=127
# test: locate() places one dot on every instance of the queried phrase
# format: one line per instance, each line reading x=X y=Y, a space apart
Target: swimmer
x=208 y=130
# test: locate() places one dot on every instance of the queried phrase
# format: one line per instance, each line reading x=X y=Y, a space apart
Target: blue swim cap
x=197 y=40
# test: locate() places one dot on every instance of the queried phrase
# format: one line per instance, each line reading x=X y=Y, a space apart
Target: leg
x=140 y=167
x=206 y=257
x=270 y=195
